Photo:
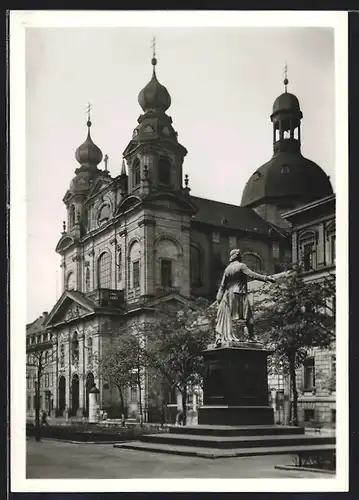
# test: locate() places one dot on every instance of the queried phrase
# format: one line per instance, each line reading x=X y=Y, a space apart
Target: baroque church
x=142 y=238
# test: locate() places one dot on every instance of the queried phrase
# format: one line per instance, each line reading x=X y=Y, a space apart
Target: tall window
x=166 y=273
x=104 y=270
x=308 y=250
x=309 y=374
x=90 y=349
x=72 y=216
x=70 y=282
x=87 y=279
x=253 y=262
x=308 y=256
x=164 y=171
x=136 y=274
x=136 y=173
x=195 y=266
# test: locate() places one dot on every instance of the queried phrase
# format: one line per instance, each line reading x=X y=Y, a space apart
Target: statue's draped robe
x=233 y=300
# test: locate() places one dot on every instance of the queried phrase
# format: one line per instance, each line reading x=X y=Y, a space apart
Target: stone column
x=67 y=375
x=80 y=411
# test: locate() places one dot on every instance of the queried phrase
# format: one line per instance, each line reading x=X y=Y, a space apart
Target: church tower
x=154 y=155
x=157 y=209
x=288 y=179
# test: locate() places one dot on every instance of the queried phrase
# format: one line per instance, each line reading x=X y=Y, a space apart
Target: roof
x=36 y=326
x=238 y=218
x=286 y=175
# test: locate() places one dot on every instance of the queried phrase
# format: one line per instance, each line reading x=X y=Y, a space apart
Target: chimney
x=44 y=314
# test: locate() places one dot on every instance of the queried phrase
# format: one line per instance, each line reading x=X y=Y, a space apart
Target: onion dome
x=154 y=97
x=88 y=154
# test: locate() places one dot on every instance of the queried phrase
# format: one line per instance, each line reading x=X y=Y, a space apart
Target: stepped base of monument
x=231 y=441
x=235 y=415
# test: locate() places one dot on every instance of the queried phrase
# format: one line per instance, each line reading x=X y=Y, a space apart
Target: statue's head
x=235 y=255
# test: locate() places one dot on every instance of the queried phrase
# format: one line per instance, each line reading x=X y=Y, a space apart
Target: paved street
x=54 y=459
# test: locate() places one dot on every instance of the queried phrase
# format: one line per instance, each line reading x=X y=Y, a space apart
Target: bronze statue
x=232 y=299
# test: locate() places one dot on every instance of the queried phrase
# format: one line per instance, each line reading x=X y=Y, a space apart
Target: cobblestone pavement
x=60 y=460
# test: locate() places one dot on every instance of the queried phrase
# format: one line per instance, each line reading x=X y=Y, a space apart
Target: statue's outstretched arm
x=253 y=275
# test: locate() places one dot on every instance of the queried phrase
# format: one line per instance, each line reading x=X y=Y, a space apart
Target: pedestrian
x=44 y=418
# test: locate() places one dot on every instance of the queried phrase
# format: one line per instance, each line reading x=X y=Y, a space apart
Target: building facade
x=313 y=245
x=141 y=238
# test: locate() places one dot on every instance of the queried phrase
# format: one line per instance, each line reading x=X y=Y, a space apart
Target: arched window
x=195 y=266
x=253 y=262
x=136 y=173
x=104 y=270
x=87 y=279
x=70 y=281
x=164 y=171
x=72 y=216
x=134 y=267
x=75 y=348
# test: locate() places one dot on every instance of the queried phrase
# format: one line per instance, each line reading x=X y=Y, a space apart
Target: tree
x=123 y=365
x=294 y=316
x=174 y=342
x=39 y=357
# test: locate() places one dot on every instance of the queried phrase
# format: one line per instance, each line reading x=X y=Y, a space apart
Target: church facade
x=141 y=238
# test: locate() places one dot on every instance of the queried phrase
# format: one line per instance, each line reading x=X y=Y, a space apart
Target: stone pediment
x=172 y=300
x=70 y=306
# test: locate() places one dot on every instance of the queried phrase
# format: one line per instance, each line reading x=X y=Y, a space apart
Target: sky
x=222 y=81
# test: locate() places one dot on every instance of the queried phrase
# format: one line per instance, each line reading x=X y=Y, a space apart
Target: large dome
x=287 y=176
x=154 y=96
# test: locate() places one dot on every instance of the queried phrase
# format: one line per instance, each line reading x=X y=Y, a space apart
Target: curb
x=80 y=442
x=307 y=469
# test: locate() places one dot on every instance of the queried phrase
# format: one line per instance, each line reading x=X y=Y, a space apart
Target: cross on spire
x=153 y=47
x=88 y=111
x=286 y=81
x=106 y=161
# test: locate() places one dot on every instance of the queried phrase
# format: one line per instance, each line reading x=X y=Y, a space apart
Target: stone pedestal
x=235 y=390
x=94 y=408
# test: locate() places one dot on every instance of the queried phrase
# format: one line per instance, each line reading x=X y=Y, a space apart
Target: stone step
x=193 y=451
x=226 y=442
x=242 y=430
